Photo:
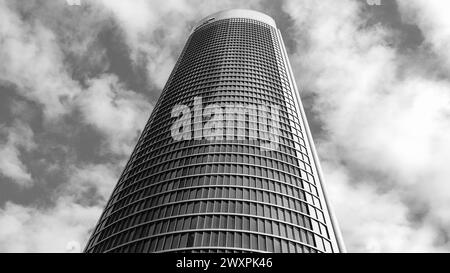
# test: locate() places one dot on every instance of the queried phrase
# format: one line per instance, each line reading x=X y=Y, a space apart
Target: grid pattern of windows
x=224 y=195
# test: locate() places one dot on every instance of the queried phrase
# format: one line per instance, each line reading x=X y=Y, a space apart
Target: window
x=254 y=241
x=206 y=239
x=222 y=239
x=230 y=239
x=245 y=240
x=253 y=209
x=239 y=222
x=276 y=245
x=253 y=224
x=238 y=240
x=190 y=240
x=214 y=238
x=246 y=223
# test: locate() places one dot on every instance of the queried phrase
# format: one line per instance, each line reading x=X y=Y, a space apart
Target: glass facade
x=223 y=194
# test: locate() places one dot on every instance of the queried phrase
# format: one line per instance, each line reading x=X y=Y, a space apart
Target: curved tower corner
x=226 y=161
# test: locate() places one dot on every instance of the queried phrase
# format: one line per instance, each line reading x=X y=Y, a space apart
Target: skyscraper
x=226 y=162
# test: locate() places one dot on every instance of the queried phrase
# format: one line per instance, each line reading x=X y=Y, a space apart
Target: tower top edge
x=237 y=13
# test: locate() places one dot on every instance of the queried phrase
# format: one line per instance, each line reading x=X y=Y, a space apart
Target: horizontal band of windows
x=209 y=147
x=214 y=230
x=186 y=70
x=162 y=185
x=228 y=37
x=115 y=208
x=183 y=190
x=225 y=65
x=234 y=70
x=234 y=134
x=114 y=211
x=228 y=52
x=136 y=205
x=161 y=145
x=299 y=206
x=227 y=148
x=208 y=248
x=212 y=207
x=211 y=221
x=193 y=147
x=270 y=237
x=232 y=23
x=264 y=139
x=233 y=67
x=256 y=41
x=252 y=146
x=240 y=193
x=277 y=118
x=178 y=172
x=285 y=178
x=164 y=137
x=109 y=230
x=206 y=69
x=268 y=213
x=231 y=55
x=224 y=75
x=232 y=87
x=286 y=109
x=196 y=47
x=260 y=137
x=286 y=126
x=189 y=157
x=238 y=107
x=292 y=183
x=222 y=80
x=152 y=146
x=231 y=50
x=234 y=168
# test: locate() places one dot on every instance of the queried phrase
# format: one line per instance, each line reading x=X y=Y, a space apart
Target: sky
x=78 y=83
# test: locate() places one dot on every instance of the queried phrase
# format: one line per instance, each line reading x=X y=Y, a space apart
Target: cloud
x=48 y=42
x=385 y=122
x=117 y=113
x=32 y=62
x=97 y=179
x=432 y=18
x=375 y=221
x=37 y=229
x=18 y=137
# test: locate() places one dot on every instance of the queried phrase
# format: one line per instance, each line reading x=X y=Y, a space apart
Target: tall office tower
x=226 y=162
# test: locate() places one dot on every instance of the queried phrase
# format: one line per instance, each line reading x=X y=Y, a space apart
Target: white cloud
x=431 y=16
x=18 y=137
x=98 y=177
x=375 y=221
x=117 y=113
x=35 y=229
x=31 y=60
